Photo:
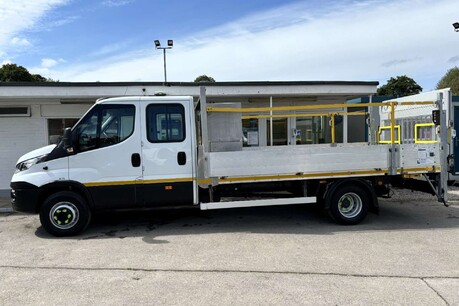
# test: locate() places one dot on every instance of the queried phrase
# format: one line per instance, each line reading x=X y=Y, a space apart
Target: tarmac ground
x=5 y=205
x=286 y=255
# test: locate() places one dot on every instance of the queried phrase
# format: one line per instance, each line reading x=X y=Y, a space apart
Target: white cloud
x=47 y=67
x=111 y=49
x=19 y=16
x=49 y=62
x=5 y=62
x=20 y=42
x=366 y=40
x=115 y=3
x=61 y=22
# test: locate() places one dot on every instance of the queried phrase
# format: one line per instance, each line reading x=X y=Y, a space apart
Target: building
x=33 y=115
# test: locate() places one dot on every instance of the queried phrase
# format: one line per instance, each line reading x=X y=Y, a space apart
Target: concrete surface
x=275 y=255
x=5 y=205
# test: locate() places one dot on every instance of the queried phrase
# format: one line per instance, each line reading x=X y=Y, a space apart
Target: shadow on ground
x=294 y=219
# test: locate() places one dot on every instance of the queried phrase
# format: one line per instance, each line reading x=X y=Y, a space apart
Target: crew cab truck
x=152 y=151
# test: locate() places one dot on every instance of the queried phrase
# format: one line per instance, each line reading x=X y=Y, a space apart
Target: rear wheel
x=65 y=214
x=348 y=204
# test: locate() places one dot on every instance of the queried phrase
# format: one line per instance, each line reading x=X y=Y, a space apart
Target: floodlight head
x=170 y=42
x=157 y=44
x=456 y=26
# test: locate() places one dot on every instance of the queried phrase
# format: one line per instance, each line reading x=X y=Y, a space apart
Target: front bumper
x=24 y=197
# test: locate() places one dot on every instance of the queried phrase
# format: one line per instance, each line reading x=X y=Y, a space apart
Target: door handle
x=181 y=158
x=135 y=160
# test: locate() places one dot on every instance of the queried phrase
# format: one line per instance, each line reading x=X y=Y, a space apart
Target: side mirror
x=67 y=139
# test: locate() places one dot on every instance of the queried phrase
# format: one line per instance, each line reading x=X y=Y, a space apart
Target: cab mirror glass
x=67 y=139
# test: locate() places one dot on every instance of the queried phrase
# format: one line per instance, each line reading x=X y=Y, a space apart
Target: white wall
x=19 y=135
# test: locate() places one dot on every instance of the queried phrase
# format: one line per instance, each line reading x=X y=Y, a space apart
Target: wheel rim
x=350 y=205
x=64 y=215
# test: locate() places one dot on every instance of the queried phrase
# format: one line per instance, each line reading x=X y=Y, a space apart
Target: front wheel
x=348 y=205
x=65 y=214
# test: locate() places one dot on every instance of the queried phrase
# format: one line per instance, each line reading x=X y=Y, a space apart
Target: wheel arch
x=362 y=183
x=74 y=186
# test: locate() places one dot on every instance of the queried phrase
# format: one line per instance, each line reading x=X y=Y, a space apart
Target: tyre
x=65 y=213
x=348 y=204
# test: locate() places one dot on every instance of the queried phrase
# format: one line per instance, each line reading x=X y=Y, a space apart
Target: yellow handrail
x=416 y=126
x=303 y=115
x=392 y=140
x=333 y=127
x=391 y=104
x=392 y=124
x=309 y=107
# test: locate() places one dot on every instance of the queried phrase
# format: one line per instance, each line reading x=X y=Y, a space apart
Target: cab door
x=107 y=154
x=167 y=155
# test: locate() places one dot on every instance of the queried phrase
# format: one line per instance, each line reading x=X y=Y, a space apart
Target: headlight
x=29 y=163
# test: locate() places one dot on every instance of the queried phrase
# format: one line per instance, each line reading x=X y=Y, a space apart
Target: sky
x=238 y=40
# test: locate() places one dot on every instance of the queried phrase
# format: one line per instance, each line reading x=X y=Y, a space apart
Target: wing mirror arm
x=67 y=139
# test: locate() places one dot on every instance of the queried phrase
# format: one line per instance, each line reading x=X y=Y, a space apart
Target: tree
x=39 y=78
x=15 y=73
x=451 y=80
x=204 y=78
x=399 y=86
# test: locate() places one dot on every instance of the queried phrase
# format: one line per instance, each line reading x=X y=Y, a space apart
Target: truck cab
x=124 y=153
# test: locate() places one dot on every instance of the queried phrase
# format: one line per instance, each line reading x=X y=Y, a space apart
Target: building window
x=56 y=128
x=280 y=132
x=250 y=132
x=14 y=111
x=310 y=130
x=317 y=129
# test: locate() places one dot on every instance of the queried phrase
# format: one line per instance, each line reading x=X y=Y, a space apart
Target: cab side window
x=104 y=126
x=165 y=123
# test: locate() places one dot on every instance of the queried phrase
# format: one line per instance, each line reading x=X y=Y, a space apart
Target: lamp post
x=170 y=44
x=456 y=26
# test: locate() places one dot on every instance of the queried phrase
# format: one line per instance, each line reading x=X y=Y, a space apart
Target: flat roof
x=90 y=91
x=208 y=84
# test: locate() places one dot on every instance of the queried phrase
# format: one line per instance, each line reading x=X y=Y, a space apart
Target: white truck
x=151 y=151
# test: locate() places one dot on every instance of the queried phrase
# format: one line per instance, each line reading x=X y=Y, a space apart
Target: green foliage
x=204 y=78
x=39 y=78
x=451 y=80
x=399 y=86
x=15 y=73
